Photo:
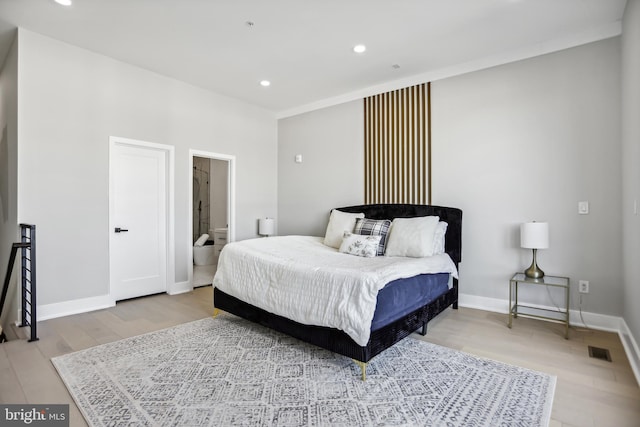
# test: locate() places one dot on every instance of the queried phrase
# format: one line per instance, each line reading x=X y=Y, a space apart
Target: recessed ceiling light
x=63 y=2
x=359 y=48
x=265 y=83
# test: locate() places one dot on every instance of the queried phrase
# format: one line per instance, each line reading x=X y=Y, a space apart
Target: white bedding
x=300 y=278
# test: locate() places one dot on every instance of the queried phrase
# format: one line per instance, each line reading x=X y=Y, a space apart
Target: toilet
x=203 y=254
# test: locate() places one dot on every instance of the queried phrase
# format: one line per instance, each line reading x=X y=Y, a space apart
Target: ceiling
x=304 y=47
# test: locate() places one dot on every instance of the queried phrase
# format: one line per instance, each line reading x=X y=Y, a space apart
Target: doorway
x=211 y=212
x=140 y=218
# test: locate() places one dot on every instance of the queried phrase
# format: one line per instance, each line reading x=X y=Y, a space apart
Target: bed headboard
x=452 y=216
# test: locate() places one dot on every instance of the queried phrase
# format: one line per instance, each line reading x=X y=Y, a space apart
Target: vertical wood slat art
x=398 y=146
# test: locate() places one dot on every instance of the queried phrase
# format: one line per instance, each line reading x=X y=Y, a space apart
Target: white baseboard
x=67 y=308
x=631 y=348
x=601 y=322
x=180 y=288
x=484 y=303
x=84 y=305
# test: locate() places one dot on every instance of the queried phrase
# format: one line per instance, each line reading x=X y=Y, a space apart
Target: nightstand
x=560 y=316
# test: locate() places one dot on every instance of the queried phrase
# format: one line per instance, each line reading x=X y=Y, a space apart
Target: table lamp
x=534 y=235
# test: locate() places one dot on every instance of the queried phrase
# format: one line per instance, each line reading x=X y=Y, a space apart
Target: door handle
x=121 y=230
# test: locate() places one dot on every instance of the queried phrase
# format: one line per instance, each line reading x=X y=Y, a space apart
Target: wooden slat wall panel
x=398 y=146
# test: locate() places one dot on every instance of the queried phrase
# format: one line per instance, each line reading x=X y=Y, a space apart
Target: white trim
x=171 y=223
x=180 y=288
x=631 y=348
x=483 y=303
x=606 y=31
x=67 y=308
x=600 y=322
x=231 y=208
x=171 y=247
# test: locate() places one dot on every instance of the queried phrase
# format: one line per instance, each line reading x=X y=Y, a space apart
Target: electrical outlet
x=583 y=286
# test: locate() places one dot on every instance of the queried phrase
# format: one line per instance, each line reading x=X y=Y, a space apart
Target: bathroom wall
x=219 y=193
x=201 y=192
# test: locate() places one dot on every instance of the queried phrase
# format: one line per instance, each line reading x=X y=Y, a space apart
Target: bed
x=395 y=314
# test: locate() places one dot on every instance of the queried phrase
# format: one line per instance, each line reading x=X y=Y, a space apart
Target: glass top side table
x=515 y=309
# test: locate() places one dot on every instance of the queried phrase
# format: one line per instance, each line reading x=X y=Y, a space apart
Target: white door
x=138 y=220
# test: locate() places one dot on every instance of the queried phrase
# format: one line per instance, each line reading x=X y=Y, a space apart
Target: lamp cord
x=582 y=318
x=586 y=327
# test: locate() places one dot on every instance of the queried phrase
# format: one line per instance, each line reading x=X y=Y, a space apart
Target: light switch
x=583 y=208
x=298 y=158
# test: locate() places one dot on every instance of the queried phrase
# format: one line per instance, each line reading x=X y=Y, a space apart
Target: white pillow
x=438 y=238
x=360 y=245
x=412 y=237
x=339 y=222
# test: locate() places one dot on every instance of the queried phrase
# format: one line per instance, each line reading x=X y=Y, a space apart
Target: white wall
x=332 y=172
x=9 y=232
x=631 y=158
x=70 y=102
x=527 y=141
x=518 y=142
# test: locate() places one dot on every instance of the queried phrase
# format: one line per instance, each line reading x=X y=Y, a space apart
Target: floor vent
x=599 y=353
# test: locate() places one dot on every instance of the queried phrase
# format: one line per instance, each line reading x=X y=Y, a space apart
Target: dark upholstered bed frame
x=382 y=338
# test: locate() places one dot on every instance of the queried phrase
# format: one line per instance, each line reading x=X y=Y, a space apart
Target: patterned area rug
x=227 y=371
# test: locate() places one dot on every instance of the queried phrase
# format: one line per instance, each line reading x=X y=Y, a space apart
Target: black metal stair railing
x=27 y=245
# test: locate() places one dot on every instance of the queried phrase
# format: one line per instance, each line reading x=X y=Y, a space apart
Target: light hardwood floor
x=589 y=392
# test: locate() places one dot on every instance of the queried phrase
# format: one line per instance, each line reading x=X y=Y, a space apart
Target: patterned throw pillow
x=357 y=244
x=374 y=227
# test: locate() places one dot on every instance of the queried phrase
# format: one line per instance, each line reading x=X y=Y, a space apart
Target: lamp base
x=534 y=272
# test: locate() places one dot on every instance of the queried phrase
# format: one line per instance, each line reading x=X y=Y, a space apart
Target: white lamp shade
x=266 y=226
x=534 y=235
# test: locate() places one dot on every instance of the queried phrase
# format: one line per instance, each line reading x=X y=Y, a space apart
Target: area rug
x=226 y=371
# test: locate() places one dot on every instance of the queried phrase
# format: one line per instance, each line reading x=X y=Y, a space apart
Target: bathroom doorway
x=211 y=212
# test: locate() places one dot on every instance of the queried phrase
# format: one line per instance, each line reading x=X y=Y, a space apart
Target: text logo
x=34 y=415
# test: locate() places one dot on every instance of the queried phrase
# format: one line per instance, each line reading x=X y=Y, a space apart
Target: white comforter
x=300 y=278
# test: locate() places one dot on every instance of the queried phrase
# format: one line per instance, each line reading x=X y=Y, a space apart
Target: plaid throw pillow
x=374 y=227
